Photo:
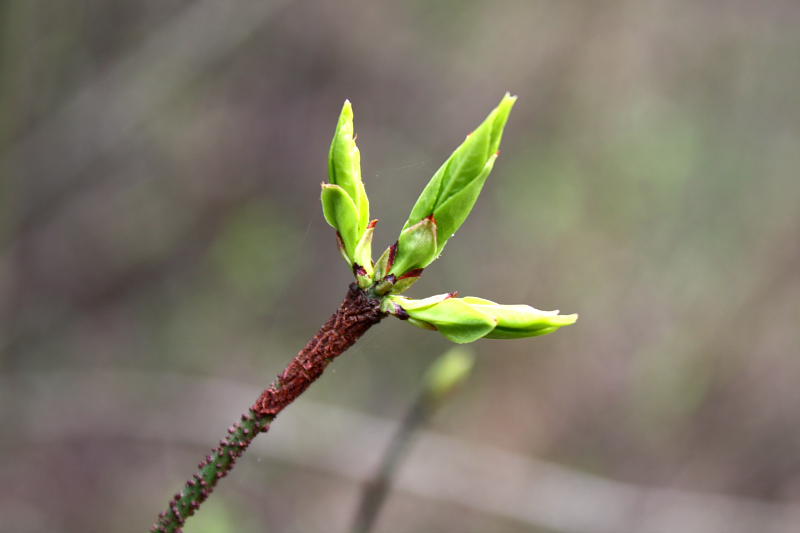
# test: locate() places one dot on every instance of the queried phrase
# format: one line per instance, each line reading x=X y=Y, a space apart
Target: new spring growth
x=468 y=319
x=438 y=213
x=344 y=200
x=440 y=210
x=450 y=194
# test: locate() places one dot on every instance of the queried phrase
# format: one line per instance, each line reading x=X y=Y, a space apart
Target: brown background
x=160 y=230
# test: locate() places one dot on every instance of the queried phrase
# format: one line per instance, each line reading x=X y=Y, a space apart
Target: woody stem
x=357 y=313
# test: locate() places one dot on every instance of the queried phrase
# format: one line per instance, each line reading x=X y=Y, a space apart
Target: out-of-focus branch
x=446 y=373
x=349 y=444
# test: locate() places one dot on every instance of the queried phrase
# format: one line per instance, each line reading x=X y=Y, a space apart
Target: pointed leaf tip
x=344 y=170
x=453 y=190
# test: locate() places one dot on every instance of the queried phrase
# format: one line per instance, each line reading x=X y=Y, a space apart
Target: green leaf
x=362 y=256
x=454 y=318
x=454 y=211
x=519 y=321
x=344 y=165
x=404 y=283
x=410 y=304
x=454 y=188
x=468 y=319
x=382 y=265
x=457 y=320
x=350 y=216
x=341 y=213
x=420 y=324
x=416 y=247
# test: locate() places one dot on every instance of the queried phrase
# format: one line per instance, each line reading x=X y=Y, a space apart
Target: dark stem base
x=357 y=313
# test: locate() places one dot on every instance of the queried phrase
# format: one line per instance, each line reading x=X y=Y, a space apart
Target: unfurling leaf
x=349 y=219
x=341 y=213
x=362 y=257
x=468 y=319
x=519 y=321
x=454 y=188
x=439 y=211
x=453 y=318
x=416 y=247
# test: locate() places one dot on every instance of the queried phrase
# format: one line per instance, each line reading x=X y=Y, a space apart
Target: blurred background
x=163 y=255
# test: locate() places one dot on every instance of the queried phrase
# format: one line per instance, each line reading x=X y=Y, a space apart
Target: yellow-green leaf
x=454 y=188
x=340 y=212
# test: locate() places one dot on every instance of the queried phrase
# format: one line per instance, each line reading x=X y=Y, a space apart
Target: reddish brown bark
x=356 y=314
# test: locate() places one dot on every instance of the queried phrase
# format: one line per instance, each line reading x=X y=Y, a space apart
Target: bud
x=449 y=371
x=349 y=219
x=385 y=262
x=416 y=248
x=468 y=319
x=454 y=188
x=362 y=257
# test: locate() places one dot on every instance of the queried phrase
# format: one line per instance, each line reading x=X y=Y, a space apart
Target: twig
x=356 y=314
x=441 y=470
x=447 y=372
x=375 y=491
